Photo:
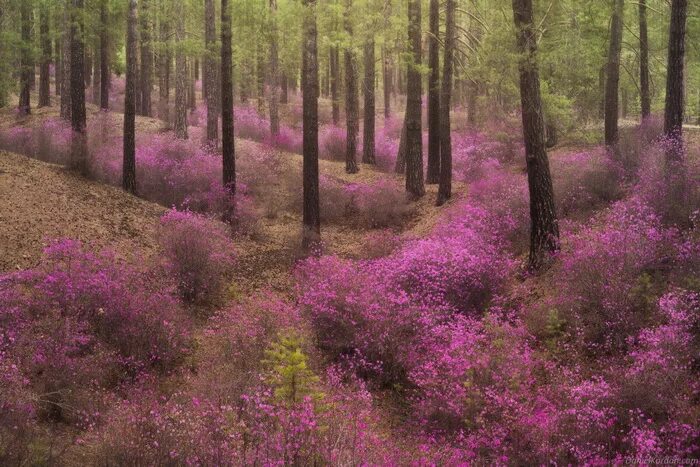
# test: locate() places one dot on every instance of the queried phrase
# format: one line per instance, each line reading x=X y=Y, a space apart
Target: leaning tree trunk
x=613 y=76
x=334 y=78
x=351 y=99
x=414 y=137
x=146 y=59
x=44 y=80
x=273 y=76
x=544 y=228
x=105 y=77
x=433 y=174
x=644 y=61
x=227 y=145
x=210 y=73
x=180 y=79
x=369 y=110
x=129 y=165
x=673 y=114
x=311 y=235
x=445 y=188
x=77 y=88
x=27 y=65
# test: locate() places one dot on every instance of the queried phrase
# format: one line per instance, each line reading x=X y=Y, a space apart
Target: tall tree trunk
x=311 y=235
x=433 y=175
x=66 y=61
x=129 y=135
x=164 y=64
x=386 y=76
x=77 y=87
x=285 y=89
x=227 y=145
x=191 y=89
x=414 y=133
x=445 y=188
x=44 y=79
x=180 y=78
x=27 y=64
x=613 y=76
x=335 y=80
x=146 y=58
x=59 y=64
x=400 y=166
x=544 y=227
x=260 y=79
x=369 y=110
x=97 y=75
x=351 y=98
x=210 y=73
x=273 y=77
x=3 y=57
x=645 y=96
x=105 y=78
x=673 y=114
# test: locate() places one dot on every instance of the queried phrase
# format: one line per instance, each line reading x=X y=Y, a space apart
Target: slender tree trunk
x=400 y=166
x=27 y=64
x=273 y=76
x=66 y=61
x=191 y=88
x=260 y=79
x=645 y=96
x=146 y=58
x=3 y=57
x=164 y=64
x=311 y=236
x=129 y=166
x=613 y=76
x=59 y=64
x=673 y=115
x=210 y=73
x=97 y=75
x=386 y=76
x=77 y=88
x=105 y=78
x=227 y=144
x=285 y=90
x=369 y=110
x=414 y=134
x=44 y=79
x=351 y=98
x=445 y=188
x=544 y=228
x=180 y=78
x=433 y=175
x=335 y=79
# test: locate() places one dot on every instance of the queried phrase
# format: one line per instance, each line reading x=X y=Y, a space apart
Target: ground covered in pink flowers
x=415 y=338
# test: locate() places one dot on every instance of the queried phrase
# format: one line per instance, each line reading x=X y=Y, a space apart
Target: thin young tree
x=129 y=134
x=445 y=187
x=44 y=80
x=334 y=83
x=274 y=71
x=612 y=82
x=146 y=82
x=673 y=114
x=77 y=87
x=644 y=93
x=210 y=73
x=351 y=97
x=227 y=145
x=311 y=233
x=66 y=63
x=544 y=227
x=433 y=175
x=27 y=64
x=105 y=77
x=369 y=110
x=414 y=143
x=181 y=75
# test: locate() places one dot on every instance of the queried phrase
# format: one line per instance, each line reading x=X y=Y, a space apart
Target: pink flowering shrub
x=248 y=124
x=331 y=143
x=198 y=253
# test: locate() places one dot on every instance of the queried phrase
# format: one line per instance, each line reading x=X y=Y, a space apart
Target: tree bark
x=191 y=88
x=369 y=110
x=445 y=188
x=351 y=99
x=146 y=58
x=260 y=79
x=645 y=96
x=180 y=77
x=613 y=76
x=544 y=228
x=433 y=175
x=673 y=114
x=59 y=64
x=77 y=88
x=210 y=73
x=335 y=80
x=105 y=78
x=285 y=89
x=44 y=79
x=273 y=76
x=165 y=59
x=97 y=74
x=129 y=135
x=227 y=144
x=386 y=76
x=400 y=166
x=414 y=136
x=27 y=64
x=311 y=235
x=66 y=61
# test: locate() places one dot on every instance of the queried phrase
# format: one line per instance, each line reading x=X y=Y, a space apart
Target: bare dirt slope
x=40 y=202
